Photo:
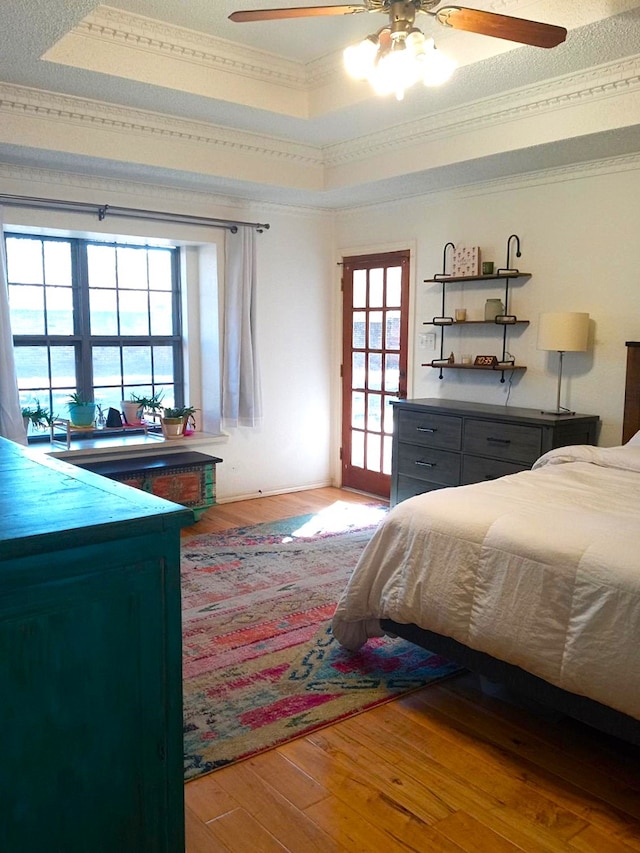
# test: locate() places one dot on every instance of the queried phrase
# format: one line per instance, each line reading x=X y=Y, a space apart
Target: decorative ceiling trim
x=240 y=206
x=555 y=175
x=611 y=80
x=608 y=80
x=57 y=179
x=81 y=111
x=113 y=25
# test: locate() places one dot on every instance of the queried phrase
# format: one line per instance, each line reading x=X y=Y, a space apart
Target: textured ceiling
x=280 y=82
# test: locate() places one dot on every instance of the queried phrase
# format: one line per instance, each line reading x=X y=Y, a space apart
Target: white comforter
x=540 y=569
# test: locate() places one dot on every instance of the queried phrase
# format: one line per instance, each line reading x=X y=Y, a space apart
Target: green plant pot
x=172 y=427
x=82 y=416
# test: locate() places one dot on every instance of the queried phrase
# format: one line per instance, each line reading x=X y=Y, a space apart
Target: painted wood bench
x=187 y=478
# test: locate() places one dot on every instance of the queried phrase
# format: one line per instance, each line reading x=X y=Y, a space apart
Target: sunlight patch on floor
x=340 y=517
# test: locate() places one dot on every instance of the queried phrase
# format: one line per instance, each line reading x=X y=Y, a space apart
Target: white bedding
x=540 y=569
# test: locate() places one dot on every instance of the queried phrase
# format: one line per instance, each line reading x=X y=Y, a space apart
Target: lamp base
x=557 y=412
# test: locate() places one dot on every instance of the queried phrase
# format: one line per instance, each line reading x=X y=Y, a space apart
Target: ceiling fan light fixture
x=438 y=67
x=416 y=40
x=394 y=63
x=395 y=70
x=360 y=59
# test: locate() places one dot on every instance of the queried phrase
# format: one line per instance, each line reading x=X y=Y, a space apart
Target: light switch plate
x=427 y=340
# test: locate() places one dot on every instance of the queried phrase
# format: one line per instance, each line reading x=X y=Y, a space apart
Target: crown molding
x=109 y=24
x=51 y=183
x=608 y=80
x=560 y=174
x=41 y=177
x=84 y=112
x=556 y=175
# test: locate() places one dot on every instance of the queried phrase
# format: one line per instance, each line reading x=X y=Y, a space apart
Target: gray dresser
x=439 y=443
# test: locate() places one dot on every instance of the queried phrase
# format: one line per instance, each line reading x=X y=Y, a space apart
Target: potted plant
x=134 y=408
x=175 y=420
x=82 y=413
x=36 y=416
x=188 y=416
x=172 y=422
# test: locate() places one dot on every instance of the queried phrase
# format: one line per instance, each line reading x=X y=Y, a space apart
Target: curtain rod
x=104 y=210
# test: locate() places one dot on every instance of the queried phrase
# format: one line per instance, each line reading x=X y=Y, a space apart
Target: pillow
x=634 y=440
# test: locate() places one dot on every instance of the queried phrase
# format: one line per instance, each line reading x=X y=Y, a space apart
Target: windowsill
x=116 y=446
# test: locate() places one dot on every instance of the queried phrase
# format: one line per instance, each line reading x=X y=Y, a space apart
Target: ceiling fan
x=398 y=54
x=458 y=17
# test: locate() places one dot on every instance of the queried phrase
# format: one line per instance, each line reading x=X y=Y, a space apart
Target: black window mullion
x=178 y=366
x=81 y=313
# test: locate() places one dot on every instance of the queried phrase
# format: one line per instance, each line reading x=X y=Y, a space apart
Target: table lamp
x=563 y=331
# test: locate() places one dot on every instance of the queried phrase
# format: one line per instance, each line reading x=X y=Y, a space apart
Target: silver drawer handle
x=426 y=464
x=427 y=429
x=499 y=440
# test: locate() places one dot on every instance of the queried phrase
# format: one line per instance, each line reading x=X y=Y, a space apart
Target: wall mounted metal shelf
x=449 y=321
x=443 y=278
x=505 y=276
x=499 y=368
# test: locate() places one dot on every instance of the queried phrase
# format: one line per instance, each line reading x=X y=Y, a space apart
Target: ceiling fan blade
x=297 y=12
x=501 y=26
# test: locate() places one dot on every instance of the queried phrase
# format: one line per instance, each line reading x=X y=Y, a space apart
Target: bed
x=531 y=580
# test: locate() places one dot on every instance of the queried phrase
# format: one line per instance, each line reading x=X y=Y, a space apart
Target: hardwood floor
x=444 y=769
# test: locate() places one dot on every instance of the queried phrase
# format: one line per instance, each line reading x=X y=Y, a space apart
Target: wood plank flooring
x=446 y=769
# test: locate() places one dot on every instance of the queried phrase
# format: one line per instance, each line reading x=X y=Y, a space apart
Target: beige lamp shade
x=563 y=331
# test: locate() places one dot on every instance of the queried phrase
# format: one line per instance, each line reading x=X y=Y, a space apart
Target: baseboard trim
x=273 y=492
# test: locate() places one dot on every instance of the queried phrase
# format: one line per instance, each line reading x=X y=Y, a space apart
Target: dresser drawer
x=510 y=442
x=476 y=469
x=431 y=430
x=409 y=488
x=425 y=463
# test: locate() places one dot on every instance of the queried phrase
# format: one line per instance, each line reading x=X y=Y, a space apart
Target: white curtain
x=11 y=425
x=241 y=398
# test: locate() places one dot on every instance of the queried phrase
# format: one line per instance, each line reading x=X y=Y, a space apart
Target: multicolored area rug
x=260 y=663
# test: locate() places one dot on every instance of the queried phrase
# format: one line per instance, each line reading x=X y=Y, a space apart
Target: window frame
x=83 y=341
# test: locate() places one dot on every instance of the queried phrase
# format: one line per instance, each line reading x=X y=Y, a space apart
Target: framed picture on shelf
x=466 y=261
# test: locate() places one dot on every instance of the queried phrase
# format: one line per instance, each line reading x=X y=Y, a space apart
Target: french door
x=374 y=365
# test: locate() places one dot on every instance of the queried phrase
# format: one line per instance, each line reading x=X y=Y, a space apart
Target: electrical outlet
x=427 y=340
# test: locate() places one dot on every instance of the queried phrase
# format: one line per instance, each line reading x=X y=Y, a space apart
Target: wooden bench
x=187 y=478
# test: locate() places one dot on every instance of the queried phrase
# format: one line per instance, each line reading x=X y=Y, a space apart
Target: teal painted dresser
x=91 y=755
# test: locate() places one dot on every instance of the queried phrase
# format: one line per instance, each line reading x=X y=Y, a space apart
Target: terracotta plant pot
x=132 y=412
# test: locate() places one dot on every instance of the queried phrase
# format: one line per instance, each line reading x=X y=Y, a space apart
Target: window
x=102 y=319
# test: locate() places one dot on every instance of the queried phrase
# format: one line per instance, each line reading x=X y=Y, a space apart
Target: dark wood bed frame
x=515 y=680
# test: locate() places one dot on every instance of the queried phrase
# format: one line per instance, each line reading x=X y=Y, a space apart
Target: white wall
x=579 y=239
x=290 y=450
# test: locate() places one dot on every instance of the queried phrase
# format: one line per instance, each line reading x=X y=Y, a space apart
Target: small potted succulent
x=188 y=415
x=82 y=413
x=172 y=422
x=176 y=421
